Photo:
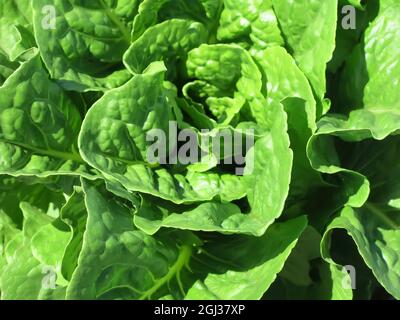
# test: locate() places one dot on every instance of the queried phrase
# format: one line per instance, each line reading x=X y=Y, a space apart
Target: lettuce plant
x=299 y=199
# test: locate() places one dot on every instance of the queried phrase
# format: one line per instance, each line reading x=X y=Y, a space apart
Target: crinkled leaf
x=39 y=126
x=309 y=27
x=170 y=264
x=82 y=46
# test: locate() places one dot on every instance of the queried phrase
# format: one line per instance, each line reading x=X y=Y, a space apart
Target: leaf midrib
x=180 y=263
x=50 y=153
x=125 y=32
x=381 y=216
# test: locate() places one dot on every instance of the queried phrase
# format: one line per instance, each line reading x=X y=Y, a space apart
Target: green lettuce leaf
x=39 y=126
x=172 y=264
x=309 y=27
x=83 y=43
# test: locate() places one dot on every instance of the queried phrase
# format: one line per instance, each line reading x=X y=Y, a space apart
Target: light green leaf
x=152 y=12
x=121 y=153
x=39 y=126
x=16 y=31
x=286 y=84
x=174 y=264
x=251 y=21
x=25 y=277
x=74 y=215
x=270 y=174
x=377 y=239
x=228 y=77
x=82 y=46
x=309 y=27
x=169 y=41
x=348 y=38
x=371 y=67
x=306 y=276
x=248 y=276
x=7 y=67
x=354 y=187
